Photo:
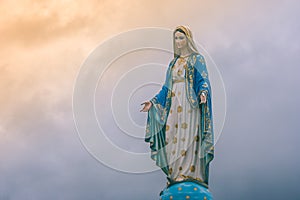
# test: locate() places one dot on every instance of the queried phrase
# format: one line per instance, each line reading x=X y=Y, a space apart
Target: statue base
x=185 y=190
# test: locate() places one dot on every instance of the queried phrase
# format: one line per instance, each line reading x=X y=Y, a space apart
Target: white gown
x=182 y=136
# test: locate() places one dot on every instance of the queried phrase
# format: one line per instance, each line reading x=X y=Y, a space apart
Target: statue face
x=180 y=40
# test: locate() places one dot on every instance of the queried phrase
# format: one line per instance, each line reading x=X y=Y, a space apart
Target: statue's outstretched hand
x=147 y=106
x=202 y=98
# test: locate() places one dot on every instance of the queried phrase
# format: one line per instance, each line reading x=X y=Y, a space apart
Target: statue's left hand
x=202 y=98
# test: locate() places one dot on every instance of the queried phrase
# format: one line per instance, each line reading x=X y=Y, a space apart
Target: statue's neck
x=184 y=52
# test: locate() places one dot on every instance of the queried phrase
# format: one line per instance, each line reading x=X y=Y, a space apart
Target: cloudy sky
x=255 y=45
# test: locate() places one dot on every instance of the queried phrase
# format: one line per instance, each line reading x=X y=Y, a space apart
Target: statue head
x=182 y=38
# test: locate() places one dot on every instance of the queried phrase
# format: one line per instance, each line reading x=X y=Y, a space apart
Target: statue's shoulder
x=194 y=58
x=172 y=61
x=197 y=58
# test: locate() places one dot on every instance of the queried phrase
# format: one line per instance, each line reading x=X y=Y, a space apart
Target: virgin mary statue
x=179 y=122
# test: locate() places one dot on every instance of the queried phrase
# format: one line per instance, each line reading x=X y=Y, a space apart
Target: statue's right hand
x=147 y=106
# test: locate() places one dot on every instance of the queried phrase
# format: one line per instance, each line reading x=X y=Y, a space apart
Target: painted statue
x=179 y=122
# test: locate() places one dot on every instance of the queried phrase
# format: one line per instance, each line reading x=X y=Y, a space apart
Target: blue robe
x=196 y=82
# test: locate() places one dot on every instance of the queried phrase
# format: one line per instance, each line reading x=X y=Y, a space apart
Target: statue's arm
x=201 y=76
x=161 y=96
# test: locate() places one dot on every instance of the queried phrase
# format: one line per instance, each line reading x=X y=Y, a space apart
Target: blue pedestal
x=186 y=190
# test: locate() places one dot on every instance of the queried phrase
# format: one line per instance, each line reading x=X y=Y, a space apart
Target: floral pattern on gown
x=182 y=138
